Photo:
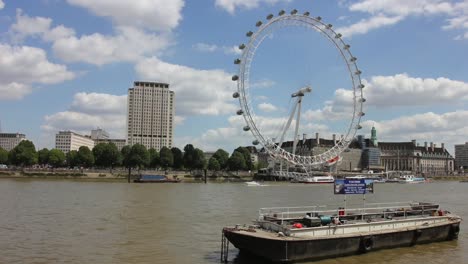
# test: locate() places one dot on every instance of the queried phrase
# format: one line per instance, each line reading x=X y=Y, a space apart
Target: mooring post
x=205 y=174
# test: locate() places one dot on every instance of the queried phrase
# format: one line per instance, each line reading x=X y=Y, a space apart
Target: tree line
x=107 y=155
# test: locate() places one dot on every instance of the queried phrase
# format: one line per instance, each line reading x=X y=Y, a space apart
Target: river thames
x=65 y=221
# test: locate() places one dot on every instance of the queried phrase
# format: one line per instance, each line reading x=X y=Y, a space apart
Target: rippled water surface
x=60 y=221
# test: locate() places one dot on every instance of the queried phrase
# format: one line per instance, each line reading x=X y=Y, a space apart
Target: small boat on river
x=254 y=183
x=411 y=179
x=316 y=232
x=155 y=179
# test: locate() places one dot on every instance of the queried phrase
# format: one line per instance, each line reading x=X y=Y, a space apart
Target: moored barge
x=309 y=233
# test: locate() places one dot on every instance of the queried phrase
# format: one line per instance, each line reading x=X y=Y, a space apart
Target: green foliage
x=246 y=153
x=199 y=160
x=125 y=151
x=43 y=156
x=72 y=158
x=213 y=164
x=3 y=156
x=138 y=156
x=106 y=155
x=166 y=157
x=222 y=157
x=154 y=158
x=178 y=158
x=24 y=154
x=189 y=151
x=85 y=157
x=56 y=158
x=237 y=161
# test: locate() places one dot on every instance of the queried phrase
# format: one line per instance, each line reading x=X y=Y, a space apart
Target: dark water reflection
x=50 y=221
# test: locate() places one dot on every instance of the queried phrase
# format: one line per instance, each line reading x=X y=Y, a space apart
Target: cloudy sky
x=67 y=65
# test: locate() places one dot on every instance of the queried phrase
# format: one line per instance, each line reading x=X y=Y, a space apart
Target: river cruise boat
x=317 y=179
x=294 y=234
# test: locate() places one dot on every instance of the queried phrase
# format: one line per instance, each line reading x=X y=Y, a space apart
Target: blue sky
x=67 y=65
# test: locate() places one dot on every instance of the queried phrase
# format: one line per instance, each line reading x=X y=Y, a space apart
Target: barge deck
x=310 y=233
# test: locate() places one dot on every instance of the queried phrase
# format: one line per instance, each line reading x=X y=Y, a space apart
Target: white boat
x=375 y=179
x=411 y=179
x=317 y=180
x=254 y=183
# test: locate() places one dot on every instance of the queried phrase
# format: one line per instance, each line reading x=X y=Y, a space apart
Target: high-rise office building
x=461 y=155
x=150 y=115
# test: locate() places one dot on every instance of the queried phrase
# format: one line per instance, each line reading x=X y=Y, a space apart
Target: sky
x=68 y=64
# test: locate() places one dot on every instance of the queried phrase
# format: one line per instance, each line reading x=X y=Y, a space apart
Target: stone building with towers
x=427 y=160
x=150 y=115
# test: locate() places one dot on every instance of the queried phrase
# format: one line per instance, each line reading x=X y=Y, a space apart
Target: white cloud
x=127 y=44
x=385 y=13
x=88 y=111
x=403 y=90
x=263 y=83
x=365 y=25
x=267 y=107
x=130 y=44
x=203 y=47
x=231 y=5
x=98 y=103
x=2 y=5
x=21 y=66
x=449 y=128
x=14 y=91
x=83 y=123
x=198 y=92
x=159 y=15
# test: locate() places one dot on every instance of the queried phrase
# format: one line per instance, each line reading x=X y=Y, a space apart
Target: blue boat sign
x=355 y=186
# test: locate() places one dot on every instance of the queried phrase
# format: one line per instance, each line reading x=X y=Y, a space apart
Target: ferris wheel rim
x=248 y=52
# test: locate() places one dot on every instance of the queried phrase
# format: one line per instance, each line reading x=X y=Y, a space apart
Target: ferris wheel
x=272 y=145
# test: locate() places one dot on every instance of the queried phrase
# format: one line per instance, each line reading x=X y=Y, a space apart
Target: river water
x=64 y=221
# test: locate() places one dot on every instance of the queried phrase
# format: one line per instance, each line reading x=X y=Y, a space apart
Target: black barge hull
x=286 y=249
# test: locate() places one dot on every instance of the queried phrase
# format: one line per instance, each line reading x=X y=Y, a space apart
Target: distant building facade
x=67 y=141
x=150 y=115
x=422 y=160
x=119 y=143
x=99 y=133
x=350 y=160
x=8 y=141
x=461 y=155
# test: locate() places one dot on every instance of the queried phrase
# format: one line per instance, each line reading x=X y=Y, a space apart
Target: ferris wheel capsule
x=255 y=142
x=246 y=128
x=235 y=95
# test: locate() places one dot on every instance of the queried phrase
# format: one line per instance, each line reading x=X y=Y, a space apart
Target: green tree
x=167 y=159
x=43 y=156
x=178 y=158
x=24 y=154
x=189 y=151
x=135 y=156
x=85 y=157
x=199 y=160
x=237 y=161
x=213 y=164
x=246 y=153
x=72 y=159
x=56 y=158
x=106 y=155
x=3 y=156
x=154 y=158
x=222 y=157
x=100 y=158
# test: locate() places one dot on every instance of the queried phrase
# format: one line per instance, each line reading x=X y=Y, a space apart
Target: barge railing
x=402 y=209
